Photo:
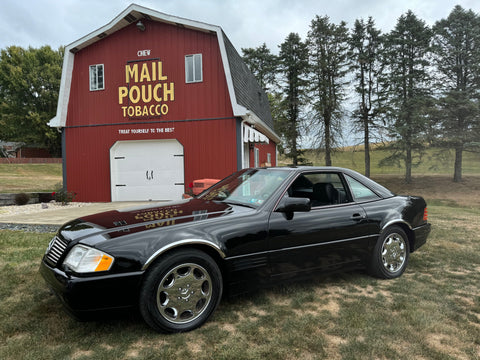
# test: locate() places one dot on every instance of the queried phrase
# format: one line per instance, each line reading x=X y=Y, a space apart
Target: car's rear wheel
x=390 y=255
x=181 y=291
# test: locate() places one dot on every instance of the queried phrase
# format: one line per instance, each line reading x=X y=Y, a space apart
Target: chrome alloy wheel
x=394 y=252
x=184 y=293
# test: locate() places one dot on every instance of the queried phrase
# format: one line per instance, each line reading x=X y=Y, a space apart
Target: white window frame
x=93 y=72
x=193 y=67
x=256 y=156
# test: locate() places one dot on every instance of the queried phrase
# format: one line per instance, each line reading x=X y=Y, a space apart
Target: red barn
x=150 y=102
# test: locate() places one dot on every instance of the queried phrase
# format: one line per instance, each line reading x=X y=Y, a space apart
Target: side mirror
x=292 y=204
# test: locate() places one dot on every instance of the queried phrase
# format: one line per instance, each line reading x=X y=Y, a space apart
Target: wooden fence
x=30 y=160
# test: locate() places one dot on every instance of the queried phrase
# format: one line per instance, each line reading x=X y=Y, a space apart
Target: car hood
x=115 y=223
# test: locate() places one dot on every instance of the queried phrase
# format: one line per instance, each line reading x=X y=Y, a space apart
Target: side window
x=193 y=68
x=321 y=188
x=359 y=191
x=97 y=81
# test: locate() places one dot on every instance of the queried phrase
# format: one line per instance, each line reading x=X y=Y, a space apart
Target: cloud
x=248 y=23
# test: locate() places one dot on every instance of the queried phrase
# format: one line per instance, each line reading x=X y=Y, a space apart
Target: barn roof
x=248 y=99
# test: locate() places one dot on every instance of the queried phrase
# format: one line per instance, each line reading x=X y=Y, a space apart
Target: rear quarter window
x=359 y=191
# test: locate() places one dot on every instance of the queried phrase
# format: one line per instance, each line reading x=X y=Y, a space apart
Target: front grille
x=55 y=250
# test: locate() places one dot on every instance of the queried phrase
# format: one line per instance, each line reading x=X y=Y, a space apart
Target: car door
x=333 y=234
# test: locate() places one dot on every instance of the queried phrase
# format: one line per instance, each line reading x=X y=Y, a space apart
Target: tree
x=263 y=64
x=406 y=83
x=279 y=109
x=29 y=85
x=293 y=68
x=365 y=47
x=328 y=46
x=456 y=44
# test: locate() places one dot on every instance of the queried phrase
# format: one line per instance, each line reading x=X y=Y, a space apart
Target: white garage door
x=147 y=170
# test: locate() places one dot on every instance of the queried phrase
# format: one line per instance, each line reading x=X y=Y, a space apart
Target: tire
x=181 y=291
x=390 y=255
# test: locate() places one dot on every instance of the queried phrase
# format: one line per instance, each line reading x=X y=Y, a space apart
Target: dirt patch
x=436 y=187
x=445 y=344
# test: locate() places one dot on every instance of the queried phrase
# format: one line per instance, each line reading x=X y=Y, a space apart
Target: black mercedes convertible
x=257 y=227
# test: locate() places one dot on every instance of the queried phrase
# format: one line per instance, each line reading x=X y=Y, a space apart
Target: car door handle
x=358 y=217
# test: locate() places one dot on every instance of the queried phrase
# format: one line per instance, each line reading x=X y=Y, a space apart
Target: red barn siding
x=264 y=149
x=168 y=43
x=200 y=116
x=209 y=148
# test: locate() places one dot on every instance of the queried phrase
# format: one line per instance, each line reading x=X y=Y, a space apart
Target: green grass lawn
x=15 y=178
x=431 y=312
x=434 y=162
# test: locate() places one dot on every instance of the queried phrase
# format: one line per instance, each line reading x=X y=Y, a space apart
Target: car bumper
x=421 y=234
x=82 y=295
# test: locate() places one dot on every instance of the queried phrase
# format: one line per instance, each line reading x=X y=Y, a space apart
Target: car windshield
x=249 y=187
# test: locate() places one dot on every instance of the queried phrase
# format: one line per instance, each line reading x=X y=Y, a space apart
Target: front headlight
x=84 y=259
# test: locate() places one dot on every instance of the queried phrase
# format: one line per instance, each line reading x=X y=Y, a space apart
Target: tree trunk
x=294 y=154
x=328 y=150
x=294 y=134
x=457 y=175
x=366 y=143
x=408 y=165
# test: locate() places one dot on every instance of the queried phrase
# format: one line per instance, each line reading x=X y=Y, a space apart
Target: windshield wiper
x=232 y=202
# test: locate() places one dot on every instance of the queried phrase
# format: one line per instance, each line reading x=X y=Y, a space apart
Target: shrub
x=22 y=199
x=62 y=195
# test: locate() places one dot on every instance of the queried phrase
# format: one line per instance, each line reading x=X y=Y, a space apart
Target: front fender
x=142 y=248
x=180 y=243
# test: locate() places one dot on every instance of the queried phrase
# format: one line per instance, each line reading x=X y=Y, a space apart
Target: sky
x=247 y=23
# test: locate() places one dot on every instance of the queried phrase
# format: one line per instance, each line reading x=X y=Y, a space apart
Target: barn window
x=193 y=68
x=96 y=77
x=256 y=157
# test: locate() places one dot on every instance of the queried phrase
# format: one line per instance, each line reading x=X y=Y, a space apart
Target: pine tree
x=457 y=60
x=365 y=48
x=263 y=64
x=406 y=83
x=293 y=68
x=328 y=46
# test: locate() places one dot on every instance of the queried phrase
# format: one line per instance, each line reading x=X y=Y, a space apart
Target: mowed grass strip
x=15 y=178
x=431 y=312
x=434 y=161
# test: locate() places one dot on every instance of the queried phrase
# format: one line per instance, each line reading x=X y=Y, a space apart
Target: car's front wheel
x=390 y=255
x=181 y=291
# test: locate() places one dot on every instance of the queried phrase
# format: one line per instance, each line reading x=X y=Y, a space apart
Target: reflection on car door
x=327 y=237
